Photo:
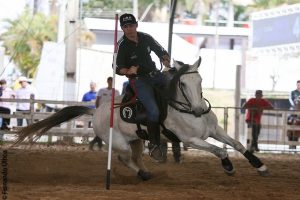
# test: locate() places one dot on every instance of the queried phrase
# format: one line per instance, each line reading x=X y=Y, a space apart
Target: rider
x=134 y=61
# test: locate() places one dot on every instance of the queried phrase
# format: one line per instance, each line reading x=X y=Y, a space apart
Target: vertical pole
x=216 y=43
x=112 y=107
x=171 y=22
x=135 y=8
x=237 y=102
x=71 y=50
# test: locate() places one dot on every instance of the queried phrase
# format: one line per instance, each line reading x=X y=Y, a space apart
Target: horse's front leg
x=198 y=143
x=221 y=136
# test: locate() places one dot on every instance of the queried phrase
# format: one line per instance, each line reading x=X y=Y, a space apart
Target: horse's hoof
x=227 y=166
x=263 y=171
x=145 y=176
x=229 y=173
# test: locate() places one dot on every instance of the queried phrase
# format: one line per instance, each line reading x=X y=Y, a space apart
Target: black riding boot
x=154 y=139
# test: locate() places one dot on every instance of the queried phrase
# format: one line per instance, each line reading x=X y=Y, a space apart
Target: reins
x=186 y=107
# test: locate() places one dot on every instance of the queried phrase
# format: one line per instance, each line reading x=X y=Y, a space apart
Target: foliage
x=24 y=39
x=267 y=4
x=107 y=8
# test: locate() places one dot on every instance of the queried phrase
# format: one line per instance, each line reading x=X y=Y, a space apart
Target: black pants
x=6 y=121
x=96 y=140
x=20 y=121
x=255 y=133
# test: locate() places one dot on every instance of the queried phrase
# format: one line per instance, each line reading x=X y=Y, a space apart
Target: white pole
x=112 y=107
x=216 y=42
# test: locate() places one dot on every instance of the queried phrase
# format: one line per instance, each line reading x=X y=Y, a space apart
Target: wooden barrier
x=274 y=122
x=73 y=128
x=274 y=128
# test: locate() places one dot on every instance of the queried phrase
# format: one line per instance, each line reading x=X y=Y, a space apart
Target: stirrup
x=156 y=153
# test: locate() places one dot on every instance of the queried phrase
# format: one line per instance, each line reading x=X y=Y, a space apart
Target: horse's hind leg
x=221 y=136
x=137 y=147
x=125 y=155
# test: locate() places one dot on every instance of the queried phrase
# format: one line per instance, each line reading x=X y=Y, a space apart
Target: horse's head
x=185 y=88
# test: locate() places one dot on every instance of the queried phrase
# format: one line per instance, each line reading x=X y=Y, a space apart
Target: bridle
x=186 y=107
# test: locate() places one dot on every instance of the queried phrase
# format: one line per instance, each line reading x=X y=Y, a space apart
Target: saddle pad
x=128 y=113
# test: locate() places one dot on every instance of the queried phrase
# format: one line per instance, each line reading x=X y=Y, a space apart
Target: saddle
x=132 y=111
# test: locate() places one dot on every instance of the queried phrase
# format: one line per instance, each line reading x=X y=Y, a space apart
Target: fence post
x=226 y=120
x=249 y=137
x=225 y=123
x=31 y=113
x=31 y=109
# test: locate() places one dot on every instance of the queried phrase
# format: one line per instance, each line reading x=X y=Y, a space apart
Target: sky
x=10 y=9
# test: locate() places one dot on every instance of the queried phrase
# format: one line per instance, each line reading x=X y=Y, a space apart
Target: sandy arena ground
x=67 y=172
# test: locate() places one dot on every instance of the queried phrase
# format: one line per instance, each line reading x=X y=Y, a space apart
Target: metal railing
x=273 y=136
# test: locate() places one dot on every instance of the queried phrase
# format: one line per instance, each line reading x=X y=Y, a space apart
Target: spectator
x=295 y=96
x=24 y=92
x=6 y=93
x=104 y=94
x=90 y=95
x=293 y=119
x=255 y=108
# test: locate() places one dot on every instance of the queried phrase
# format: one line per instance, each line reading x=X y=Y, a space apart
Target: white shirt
x=24 y=93
x=106 y=94
x=7 y=93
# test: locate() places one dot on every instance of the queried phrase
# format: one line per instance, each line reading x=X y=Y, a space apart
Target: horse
x=189 y=117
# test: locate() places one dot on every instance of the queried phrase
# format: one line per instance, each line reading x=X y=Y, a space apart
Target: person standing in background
x=294 y=119
x=255 y=107
x=6 y=93
x=104 y=94
x=295 y=96
x=24 y=93
x=90 y=95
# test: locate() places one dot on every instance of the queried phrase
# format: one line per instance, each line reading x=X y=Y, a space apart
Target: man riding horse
x=135 y=62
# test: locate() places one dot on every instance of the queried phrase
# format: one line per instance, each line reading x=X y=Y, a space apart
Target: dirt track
x=75 y=173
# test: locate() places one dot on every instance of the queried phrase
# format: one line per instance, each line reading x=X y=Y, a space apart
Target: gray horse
x=189 y=117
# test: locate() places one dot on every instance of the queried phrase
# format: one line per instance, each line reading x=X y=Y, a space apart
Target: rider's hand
x=166 y=60
x=132 y=70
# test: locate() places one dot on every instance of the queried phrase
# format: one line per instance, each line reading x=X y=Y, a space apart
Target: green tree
x=267 y=4
x=24 y=39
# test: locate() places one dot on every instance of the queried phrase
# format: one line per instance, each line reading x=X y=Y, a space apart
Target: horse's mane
x=173 y=76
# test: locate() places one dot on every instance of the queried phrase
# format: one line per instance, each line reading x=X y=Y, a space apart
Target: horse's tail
x=39 y=128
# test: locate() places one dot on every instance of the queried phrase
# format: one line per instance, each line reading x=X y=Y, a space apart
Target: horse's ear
x=198 y=62
x=177 y=64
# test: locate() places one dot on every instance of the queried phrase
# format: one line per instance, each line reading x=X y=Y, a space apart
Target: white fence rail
x=74 y=128
x=273 y=133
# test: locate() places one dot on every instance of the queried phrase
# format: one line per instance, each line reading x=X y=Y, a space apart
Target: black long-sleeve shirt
x=138 y=54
